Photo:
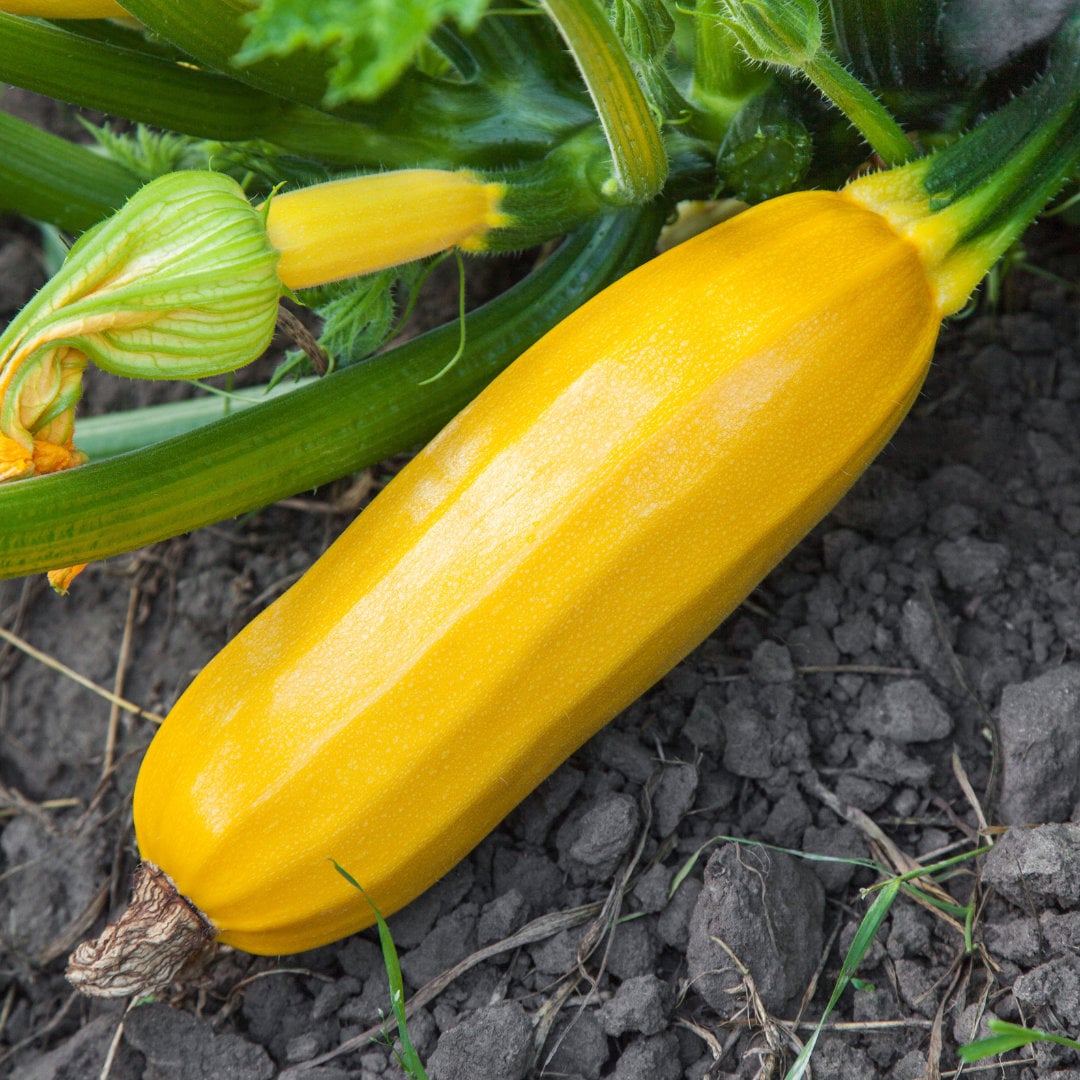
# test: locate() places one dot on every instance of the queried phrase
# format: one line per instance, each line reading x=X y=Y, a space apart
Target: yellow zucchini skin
x=565 y=541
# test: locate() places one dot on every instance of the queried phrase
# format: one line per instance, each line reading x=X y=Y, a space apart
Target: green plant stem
x=51 y=179
x=723 y=79
x=344 y=422
x=132 y=429
x=639 y=160
x=859 y=105
x=999 y=176
x=154 y=90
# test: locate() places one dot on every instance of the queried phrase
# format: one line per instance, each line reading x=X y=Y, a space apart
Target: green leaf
x=370 y=42
x=359 y=318
x=1008 y=1037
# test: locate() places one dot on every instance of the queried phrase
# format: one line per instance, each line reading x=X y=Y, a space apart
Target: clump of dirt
x=908 y=676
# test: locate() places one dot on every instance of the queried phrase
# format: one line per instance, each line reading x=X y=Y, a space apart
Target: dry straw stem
x=70 y=673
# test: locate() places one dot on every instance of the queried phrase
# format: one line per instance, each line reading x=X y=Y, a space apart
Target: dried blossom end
x=145 y=949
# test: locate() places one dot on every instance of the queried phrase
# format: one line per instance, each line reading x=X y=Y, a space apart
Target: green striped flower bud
x=180 y=283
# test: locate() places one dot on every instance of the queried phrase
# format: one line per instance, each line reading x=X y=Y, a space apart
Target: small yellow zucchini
x=343 y=228
x=566 y=540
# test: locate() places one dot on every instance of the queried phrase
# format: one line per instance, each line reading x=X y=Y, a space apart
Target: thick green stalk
x=638 y=157
x=874 y=121
x=344 y=422
x=148 y=88
x=966 y=204
x=45 y=177
x=131 y=429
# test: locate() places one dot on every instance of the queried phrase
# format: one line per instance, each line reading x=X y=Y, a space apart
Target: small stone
x=913 y=714
x=577 y=1047
x=605 y=832
x=855 y=636
x=492 y=1044
x=451 y=939
x=532 y=820
x=650 y=1057
x=332 y=996
x=771 y=663
x=1038 y=721
x=673 y=923
x=558 y=954
x=1056 y=984
x=971 y=565
x=502 y=917
x=89 y=1043
x=180 y=1046
x=634 y=949
x=651 y=889
x=787 y=820
x=811 y=646
x=302 y=1047
x=621 y=751
x=861 y=792
x=703 y=727
x=887 y=762
x=909 y=934
x=673 y=797
x=642 y=1005
x=1016 y=939
x=1037 y=866
x=748 y=892
x=747 y=749
x=836 y=1059
x=843 y=843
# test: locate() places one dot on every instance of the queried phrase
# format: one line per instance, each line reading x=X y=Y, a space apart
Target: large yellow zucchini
x=570 y=536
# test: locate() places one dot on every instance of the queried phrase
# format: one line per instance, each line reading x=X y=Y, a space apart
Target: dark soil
x=909 y=674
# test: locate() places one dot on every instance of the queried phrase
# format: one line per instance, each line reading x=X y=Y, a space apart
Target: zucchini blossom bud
x=180 y=283
x=783 y=32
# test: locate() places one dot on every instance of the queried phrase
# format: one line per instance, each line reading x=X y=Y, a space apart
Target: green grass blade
x=410 y=1059
x=864 y=938
x=1008 y=1037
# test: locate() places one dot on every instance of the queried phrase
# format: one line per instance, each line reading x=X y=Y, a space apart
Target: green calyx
x=784 y=32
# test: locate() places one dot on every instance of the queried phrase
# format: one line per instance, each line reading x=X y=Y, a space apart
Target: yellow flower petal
x=61 y=580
